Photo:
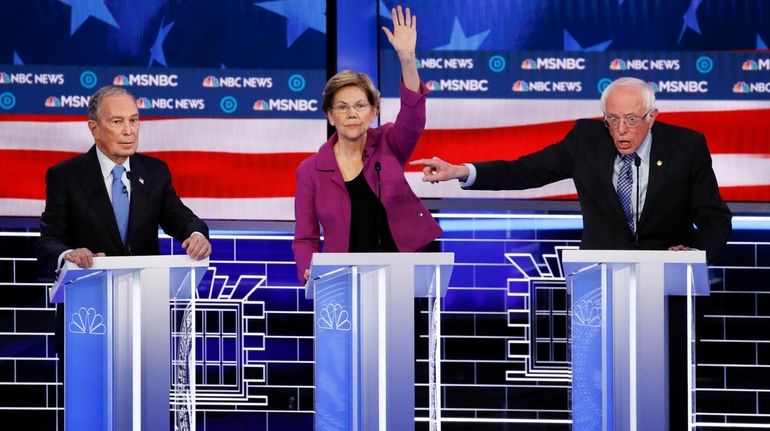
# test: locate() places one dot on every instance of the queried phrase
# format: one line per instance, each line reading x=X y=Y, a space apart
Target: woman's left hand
x=404 y=35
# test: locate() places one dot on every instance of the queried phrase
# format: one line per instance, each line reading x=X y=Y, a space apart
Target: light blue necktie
x=625 y=186
x=120 y=201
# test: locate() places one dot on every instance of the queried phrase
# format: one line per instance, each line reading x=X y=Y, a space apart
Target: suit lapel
x=327 y=163
x=139 y=196
x=606 y=167
x=659 y=156
x=93 y=186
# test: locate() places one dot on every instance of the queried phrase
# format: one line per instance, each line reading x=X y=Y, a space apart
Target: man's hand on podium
x=680 y=247
x=197 y=246
x=82 y=257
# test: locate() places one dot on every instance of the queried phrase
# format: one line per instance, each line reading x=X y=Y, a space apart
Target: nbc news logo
x=742 y=87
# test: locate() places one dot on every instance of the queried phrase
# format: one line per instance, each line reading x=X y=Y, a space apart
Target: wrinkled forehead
x=118 y=105
x=625 y=100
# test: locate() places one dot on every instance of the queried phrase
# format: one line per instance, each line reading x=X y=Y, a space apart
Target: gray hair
x=96 y=99
x=648 y=94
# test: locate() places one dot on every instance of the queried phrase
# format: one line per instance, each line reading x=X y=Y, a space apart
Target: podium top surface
x=674 y=263
x=70 y=271
x=634 y=256
x=135 y=262
x=382 y=259
x=419 y=268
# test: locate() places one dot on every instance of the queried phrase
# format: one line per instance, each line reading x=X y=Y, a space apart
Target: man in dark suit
x=648 y=200
x=79 y=221
x=673 y=177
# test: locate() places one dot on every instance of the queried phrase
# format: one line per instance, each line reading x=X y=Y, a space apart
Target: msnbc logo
x=120 y=80
x=741 y=87
x=528 y=64
x=53 y=102
x=211 y=82
x=520 y=86
x=142 y=103
x=618 y=64
x=5 y=78
x=433 y=85
x=260 y=105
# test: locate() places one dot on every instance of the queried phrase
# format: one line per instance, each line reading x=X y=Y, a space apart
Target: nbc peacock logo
x=120 y=80
x=433 y=85
x=53 y=102
x=260 y=105
x=528 y=64
x=741 y=87
x=520 y=86
x=87 y=321
x=142 y=103
x=750 y=65
x=618 y=64
x=5 y=78
x=211 y=82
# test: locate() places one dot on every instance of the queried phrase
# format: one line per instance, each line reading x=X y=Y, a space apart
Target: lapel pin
x=141 y=180
x=659 y=163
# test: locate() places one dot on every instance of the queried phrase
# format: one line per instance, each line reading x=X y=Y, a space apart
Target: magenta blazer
x=321 y=196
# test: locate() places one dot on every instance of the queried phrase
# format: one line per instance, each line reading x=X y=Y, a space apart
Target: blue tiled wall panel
x=487 y=338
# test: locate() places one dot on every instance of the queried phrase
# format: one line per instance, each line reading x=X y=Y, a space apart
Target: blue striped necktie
x=625 y=186
x=120 y=201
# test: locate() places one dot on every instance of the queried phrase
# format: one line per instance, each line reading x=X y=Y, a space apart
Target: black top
x=367 y=219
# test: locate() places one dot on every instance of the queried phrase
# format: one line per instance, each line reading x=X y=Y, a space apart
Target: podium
x=119 y=344
x=364 y=329
x=619 y=329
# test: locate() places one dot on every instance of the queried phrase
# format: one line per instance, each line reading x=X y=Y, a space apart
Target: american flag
x=241 y=164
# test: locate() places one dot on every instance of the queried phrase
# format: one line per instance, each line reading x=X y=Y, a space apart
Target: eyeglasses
x=342 y=108
x=631 y=121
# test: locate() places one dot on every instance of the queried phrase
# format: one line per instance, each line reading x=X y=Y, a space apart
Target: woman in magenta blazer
x=354 y=187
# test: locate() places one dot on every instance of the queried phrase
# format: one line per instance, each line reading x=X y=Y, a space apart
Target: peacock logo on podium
x=334 y=317
x=87 y=321
x=588 y=312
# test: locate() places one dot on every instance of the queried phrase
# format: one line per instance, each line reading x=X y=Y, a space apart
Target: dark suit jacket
x=78 y=212
x=682 y=189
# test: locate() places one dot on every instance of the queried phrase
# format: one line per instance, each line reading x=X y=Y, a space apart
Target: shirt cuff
x=60 y=260
x=468 y=183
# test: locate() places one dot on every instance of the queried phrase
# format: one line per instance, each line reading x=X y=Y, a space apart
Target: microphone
x=637 y=163
x=378 y=168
